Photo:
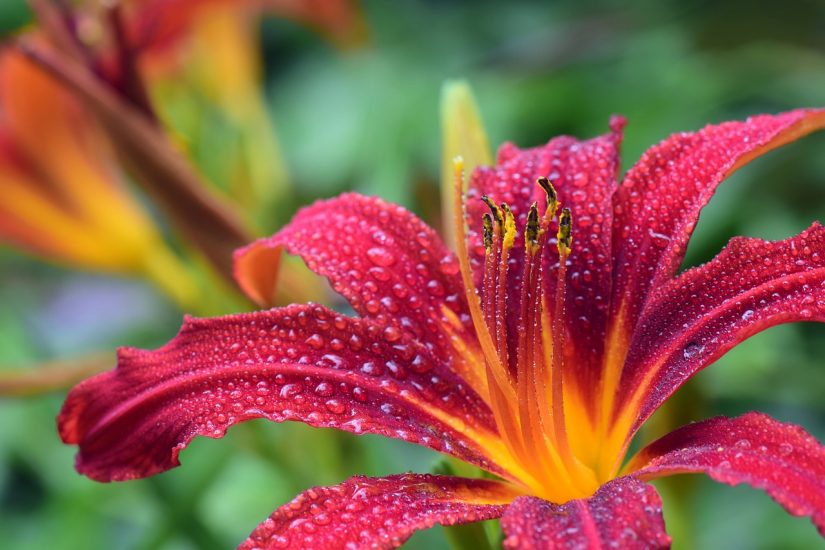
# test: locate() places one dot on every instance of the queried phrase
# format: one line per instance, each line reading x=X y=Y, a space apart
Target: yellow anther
x=487 y=222
x=552 y=196
x=509 y=226
x=565 y=236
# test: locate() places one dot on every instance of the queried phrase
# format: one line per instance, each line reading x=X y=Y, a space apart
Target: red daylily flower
x=529 y=354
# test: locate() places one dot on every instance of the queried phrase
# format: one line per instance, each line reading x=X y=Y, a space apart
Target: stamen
x=494 y=209
x=529 y=360
x=564 y=243
x=509 y=236
x=552 y=197
x=487 y=222
x=501 y=393
x=531 y=232
x=565 y=236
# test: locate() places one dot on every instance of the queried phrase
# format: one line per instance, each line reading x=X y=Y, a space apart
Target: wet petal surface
x=377 y=513
x=624 y=513
x=691 y=321
x=782 y=459
x=385 y=261
x=304 y=363
x=659 y=200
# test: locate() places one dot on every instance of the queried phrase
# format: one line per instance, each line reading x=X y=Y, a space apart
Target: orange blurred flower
x=63 y=198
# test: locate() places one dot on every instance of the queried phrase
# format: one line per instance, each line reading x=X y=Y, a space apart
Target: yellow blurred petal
x=225 y=48
x=225 y=57
x=62 y=186
x=463 y=135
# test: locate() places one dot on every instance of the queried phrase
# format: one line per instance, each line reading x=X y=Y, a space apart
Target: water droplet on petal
x=316 y=341
x=380 y=256
x=290 y=391
x=324 y=389
x=359 y=394
x=335 y=406
x=392 y=334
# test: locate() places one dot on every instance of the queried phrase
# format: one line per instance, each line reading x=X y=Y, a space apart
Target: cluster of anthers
x=524 y=370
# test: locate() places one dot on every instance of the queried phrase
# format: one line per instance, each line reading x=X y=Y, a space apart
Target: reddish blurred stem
x=203 y=218
x=131 y=84
x=55 y=20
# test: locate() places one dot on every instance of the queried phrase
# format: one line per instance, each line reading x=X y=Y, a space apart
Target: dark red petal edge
x=658 y=203
x=624 y=513
x=782 y=459
x=584 y=174
x=694 y=319
x=377 y=513
x=303 y=363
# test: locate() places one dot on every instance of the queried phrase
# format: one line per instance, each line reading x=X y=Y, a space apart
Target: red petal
x=304 y=363
x=660 y=198
x=584 y=173
x=783 y=459
x=389 y=264
x=368 y=512
x=624 y=513
x=697 y=317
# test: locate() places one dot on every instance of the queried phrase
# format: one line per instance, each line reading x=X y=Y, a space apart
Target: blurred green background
x=367 y=120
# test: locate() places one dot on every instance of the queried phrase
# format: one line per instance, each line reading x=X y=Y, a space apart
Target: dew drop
x=324 y=389
x=435 y=288
x=316 y=341
x=322 y=519
x=449 y=266
x=392 y=334
x=372 y=369
x=379 y=274
x=359 y=394
x=290 y=391
x=420 y=365
x=380 y=256
x=335 y=406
